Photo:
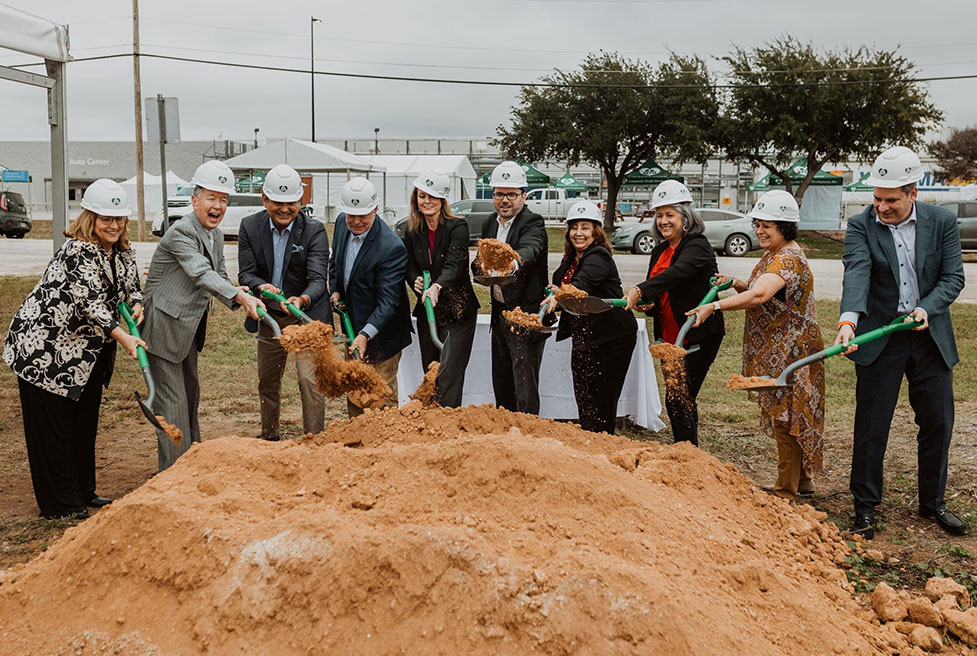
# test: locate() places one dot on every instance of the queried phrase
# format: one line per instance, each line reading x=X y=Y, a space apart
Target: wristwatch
x=363 y=332
x=717 y=307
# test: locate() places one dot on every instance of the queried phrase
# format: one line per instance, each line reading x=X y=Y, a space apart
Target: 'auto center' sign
x=91 y=161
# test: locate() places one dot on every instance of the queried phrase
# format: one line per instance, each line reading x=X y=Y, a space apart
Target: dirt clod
x=496 y=257
x=740 y=382
x=427 y=391
x=172 y=431
x=567 y=290
x=522 y=320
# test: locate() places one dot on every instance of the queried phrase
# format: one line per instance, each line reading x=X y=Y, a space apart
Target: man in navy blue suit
x=366 y=273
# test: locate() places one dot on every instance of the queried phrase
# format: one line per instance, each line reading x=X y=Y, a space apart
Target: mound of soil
x=496 y=257
x=455 y=531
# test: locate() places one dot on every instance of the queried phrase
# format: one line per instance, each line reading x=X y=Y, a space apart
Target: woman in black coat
x=437 y=241
x=678 y=277
x=602 y=343
x=61 y=345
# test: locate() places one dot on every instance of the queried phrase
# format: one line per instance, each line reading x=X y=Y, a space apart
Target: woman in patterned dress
x=781 y=327
x=61 y=345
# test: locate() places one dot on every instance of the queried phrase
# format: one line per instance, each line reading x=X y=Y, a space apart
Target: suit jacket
x=871 y=284
x=448 y=264
x=376 y=294
x=304 y=267
x=60 y=330
x=687 y=281
x=184 y=273
x=527 y=236
x=597 y=275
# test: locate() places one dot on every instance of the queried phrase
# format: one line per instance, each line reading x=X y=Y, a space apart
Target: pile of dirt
x=472 y=530
x=567 y=290
x=740 y=382
x=927 y=620
x=335 y=377
x=496 y=257
x=519 y=320
x=427 y=392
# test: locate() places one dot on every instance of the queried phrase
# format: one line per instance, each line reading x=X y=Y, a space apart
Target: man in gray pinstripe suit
x=186 y=270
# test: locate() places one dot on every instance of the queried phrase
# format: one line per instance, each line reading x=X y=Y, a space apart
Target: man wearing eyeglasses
x=516 y=356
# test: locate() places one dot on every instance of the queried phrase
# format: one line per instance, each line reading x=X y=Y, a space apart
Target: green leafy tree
x=615 y=113
x=957 y=155
x=791 y=100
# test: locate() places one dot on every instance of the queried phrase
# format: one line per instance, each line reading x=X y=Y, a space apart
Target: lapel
x=294 y=236
x=883 y=235
x=512 y=228
x=202 y=238
x=340 y=235
x=371 y=237
x=924 y=234
x=493 y=227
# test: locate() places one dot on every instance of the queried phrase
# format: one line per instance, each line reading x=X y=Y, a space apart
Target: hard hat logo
x=222 y=179
x=505 y=176
x=354 y=201
x=429 y=182
x=883 y=172
x=116 y=201
x=283 y=188
x=662 y=194
x=910 y=169
x=783 y=208
x=759 y=206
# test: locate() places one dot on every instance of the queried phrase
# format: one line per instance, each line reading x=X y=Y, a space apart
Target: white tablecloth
x=639 y=398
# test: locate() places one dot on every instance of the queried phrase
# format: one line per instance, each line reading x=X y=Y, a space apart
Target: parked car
x=966 y=212
x=14 y=221
x=473 y=211
x=550 y=203
x=728 y=232
x=238 y=207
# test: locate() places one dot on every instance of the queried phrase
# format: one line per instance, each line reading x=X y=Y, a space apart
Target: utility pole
x=312 y=21
x=161 y=109
x=137 y=105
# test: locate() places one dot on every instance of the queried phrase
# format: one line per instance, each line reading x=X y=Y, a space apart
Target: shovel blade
x=585 y=305
x=150 y=415
x=494 y=280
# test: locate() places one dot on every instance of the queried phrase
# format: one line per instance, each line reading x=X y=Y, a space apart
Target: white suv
x=238 y=207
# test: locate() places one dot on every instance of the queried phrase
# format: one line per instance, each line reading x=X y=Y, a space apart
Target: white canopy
x=32 y=35
x=303 y=156
x=153 y=197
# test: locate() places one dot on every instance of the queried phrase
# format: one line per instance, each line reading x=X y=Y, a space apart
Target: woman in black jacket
x=678 y=277
x=602 y=343
x=437 y=241
x=61 y=345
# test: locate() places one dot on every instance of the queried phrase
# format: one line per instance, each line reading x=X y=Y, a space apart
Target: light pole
x=256 y=137
x=376 y=141
x=312 y=21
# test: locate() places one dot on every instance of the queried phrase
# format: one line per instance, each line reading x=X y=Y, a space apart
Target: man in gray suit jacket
x=186 y=270
x=902 y=257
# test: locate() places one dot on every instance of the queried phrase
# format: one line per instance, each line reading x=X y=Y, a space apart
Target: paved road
x=23 y=257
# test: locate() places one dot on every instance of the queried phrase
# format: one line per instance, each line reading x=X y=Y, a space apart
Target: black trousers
x=453 y=359
x=598 y=378
x=913 y=355
x=516 y=358
x=683 y=411
x=60 y=435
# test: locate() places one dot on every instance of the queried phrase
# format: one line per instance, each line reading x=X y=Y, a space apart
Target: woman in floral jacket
x=61 y=347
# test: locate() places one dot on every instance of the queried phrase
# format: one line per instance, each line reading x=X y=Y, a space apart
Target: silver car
x=728 y=232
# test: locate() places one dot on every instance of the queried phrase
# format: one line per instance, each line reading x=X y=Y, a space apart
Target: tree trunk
x=610 y=210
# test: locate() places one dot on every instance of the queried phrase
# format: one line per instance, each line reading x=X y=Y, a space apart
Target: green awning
x=859 y=185
x=483 y=181
x=649 y=173
x=534 y=177
x=246 y=184
x=570 y=183
x=796 y=173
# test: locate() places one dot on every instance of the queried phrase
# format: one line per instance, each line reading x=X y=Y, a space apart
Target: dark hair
x=907 y=189
x=600 y=239
x=787 y=229
x=691 y=222
x=417 y=219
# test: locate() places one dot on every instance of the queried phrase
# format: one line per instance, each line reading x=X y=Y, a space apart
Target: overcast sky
x=507 y=40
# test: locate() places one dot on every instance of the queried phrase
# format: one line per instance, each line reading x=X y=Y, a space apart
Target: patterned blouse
x=58 y=333
x=781 y=331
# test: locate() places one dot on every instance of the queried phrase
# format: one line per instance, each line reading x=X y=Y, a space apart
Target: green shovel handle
x=429 y=313
x=126 y=313
x=344 y=319
x=616 y=302
x=293 y=310
x=896 y=325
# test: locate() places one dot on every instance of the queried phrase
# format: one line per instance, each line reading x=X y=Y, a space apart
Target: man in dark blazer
x=186 y=272
x=366 y=274
x=282 y=250
x=516 y=356
x=902 y=257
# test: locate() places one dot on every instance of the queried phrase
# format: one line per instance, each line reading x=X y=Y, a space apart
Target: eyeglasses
x=511 y=196
x=109 y=220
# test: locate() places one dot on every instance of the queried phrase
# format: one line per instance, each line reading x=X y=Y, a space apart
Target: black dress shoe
x=273 y=438
x=864 y=525
x=98 y=502
x=77 y=514
x=947 y=520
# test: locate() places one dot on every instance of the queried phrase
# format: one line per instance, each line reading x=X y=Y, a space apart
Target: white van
x=238 y=207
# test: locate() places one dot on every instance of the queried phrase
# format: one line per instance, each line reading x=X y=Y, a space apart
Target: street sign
x=171 y=120
x=14 y=176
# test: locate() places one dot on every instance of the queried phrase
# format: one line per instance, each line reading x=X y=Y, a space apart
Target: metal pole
x=312 y=21
x=59 y=151
x=137 y=106
x=161 y=116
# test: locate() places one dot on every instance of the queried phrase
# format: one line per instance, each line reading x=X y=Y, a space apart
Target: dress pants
x=915 y=355
x=272 y=359
x=516 y=358
x=60 y=435
x=598 y=378
x=388 y=372
x=177 y=400
x=458 y=339
x=790 y=469
x=683 y=411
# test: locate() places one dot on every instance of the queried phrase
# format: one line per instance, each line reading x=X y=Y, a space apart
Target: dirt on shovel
x=496 y=257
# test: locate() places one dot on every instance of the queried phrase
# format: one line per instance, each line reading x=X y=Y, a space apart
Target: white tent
x=153 y=190
x=303 y=156
x=396 y=186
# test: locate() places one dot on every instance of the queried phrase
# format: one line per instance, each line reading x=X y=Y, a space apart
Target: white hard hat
x=283 y=184
x=358 y=197
x=776 y=205
x=896 y=167
x=508 y=174
x=214 y=175
x=107 y=198
x=584 y=210
x=670 y=192
x=434 y=184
